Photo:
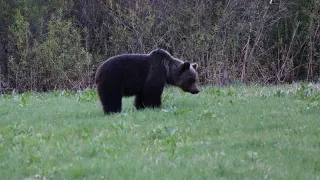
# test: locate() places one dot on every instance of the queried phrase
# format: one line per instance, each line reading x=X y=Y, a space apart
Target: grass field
x=234 y=132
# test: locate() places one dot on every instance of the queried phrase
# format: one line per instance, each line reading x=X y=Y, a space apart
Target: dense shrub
x=59 y=44
x=56 y=60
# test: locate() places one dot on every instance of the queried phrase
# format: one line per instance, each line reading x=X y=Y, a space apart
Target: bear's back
x=128 y=70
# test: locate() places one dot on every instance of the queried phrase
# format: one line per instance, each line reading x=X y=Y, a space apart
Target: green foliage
x=306 y=92
x=61 y=59
x=55 y=61
x=47 y=45
x=57 y=136
x=310 y=94
x=87 y=95
x=219 y=92
x=25 y=98
x=20 y=64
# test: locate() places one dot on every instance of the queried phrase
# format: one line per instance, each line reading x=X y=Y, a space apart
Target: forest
x=58 y=44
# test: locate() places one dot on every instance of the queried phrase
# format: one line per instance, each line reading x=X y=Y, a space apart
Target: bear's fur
x=143 y=76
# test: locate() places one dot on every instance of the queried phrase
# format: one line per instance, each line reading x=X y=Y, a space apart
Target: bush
x=55 y=61
x=19 y=61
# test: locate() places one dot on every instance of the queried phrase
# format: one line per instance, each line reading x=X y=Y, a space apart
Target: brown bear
x=143 y=76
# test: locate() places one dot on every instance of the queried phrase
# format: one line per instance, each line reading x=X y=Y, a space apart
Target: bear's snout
x=196 y=91
x=192 y=90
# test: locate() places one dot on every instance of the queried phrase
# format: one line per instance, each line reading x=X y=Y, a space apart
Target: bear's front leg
x=153 y=101
x=153 y=88
x=152 y=96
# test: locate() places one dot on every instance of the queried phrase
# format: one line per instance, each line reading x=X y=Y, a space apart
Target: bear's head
x=187 y=77
x=178 y=73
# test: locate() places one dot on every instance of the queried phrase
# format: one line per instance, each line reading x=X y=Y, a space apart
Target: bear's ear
x=195 y=66
x=184 y=66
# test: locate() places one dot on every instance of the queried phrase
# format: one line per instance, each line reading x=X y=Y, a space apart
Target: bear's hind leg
x=115 y=107
x=110 y=99
x=138 y=103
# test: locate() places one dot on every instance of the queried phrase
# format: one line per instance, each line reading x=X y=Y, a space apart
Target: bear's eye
x=191 y=80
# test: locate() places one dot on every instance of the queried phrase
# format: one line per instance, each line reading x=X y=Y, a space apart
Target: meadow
x=233 y=132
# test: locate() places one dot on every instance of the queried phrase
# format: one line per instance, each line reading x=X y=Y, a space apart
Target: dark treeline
x=58 y=44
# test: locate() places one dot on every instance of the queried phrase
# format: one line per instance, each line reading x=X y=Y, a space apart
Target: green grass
x=239 y=132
